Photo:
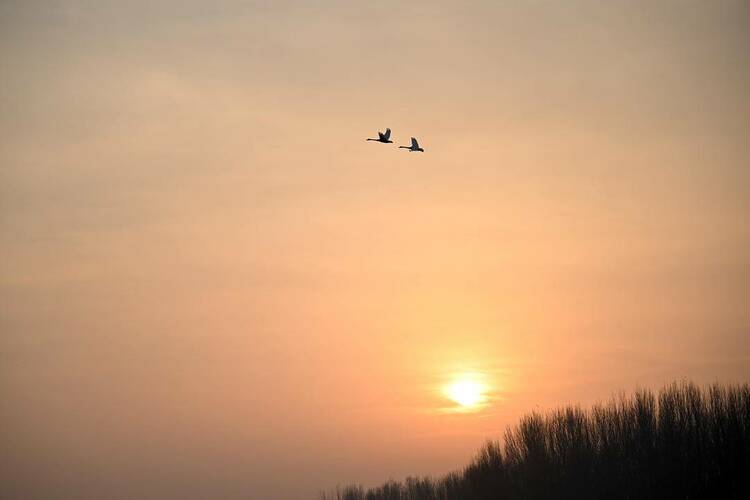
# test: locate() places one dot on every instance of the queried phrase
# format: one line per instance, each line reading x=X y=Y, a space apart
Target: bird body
x=414 y=146
x=383 y=137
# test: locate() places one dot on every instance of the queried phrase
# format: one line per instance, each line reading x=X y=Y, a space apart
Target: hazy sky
x=211 y=286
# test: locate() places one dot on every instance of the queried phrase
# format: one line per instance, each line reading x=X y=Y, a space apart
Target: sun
x=466 y=392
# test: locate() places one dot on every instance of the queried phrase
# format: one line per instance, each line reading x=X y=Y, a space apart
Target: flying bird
x=383 y=137
x=414 y=146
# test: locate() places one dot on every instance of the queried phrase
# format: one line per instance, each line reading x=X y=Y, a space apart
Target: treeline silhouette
x=684 y=442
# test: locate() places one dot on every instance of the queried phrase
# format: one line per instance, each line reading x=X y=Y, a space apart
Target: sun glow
x=466 y=392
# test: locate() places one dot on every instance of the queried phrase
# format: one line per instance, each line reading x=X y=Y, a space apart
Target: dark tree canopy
x=684 y=442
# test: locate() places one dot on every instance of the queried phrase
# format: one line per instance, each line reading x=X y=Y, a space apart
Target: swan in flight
x=414 y=146
x=384 y=138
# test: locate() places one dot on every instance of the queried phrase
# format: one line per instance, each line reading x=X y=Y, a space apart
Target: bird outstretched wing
x=387 y=134
x=414 y=143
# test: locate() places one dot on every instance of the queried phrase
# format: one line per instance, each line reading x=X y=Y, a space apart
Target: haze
x=211 y=285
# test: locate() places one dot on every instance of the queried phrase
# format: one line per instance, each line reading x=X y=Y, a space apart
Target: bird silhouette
x=414 y=146
x=383 y=137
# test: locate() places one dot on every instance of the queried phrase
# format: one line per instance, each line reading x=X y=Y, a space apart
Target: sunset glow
x=467 y=392
x=214 y=286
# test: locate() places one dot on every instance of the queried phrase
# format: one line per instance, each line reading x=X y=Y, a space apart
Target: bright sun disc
x=466 y=393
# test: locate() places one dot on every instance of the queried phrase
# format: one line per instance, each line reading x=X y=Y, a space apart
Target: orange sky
x=212 y=287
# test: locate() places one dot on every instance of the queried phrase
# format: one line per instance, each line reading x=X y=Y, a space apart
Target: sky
x=211 y=285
